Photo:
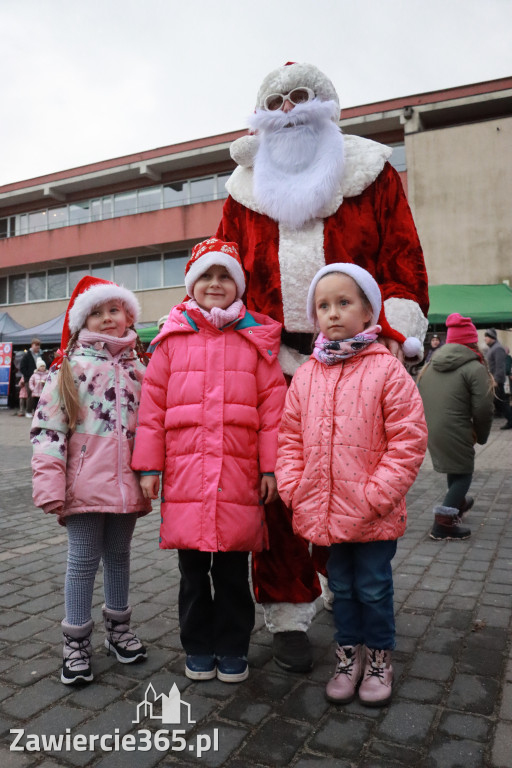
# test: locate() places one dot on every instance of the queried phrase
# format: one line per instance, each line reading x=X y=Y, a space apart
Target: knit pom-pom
x=412 y=347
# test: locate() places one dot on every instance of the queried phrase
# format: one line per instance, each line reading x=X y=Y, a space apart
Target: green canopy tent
x=486 y=305
x=147 y=334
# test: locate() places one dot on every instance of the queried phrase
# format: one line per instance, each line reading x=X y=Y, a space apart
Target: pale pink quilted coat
x=352 y=439
x=210 y=410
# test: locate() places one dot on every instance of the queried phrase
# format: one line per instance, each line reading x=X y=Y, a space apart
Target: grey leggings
x=93 y=536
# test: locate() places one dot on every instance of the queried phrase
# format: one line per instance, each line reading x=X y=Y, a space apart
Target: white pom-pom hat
x=411 y=346
x=213 y=252
x=89 y=293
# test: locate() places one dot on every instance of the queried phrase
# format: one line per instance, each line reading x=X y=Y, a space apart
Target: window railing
x=111 y=206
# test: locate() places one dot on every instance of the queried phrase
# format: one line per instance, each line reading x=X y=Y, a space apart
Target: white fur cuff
x=288 y=617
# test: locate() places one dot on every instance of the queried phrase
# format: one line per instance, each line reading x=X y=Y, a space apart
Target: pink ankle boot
x=341 y=688
x=376 y=687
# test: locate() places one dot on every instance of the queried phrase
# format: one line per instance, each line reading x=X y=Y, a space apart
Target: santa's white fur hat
x=294 y=75
x=213 y=252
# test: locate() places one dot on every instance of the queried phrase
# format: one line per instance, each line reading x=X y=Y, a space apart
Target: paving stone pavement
x=452 y=703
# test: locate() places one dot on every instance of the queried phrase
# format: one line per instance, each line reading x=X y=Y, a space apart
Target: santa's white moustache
x=299 y=162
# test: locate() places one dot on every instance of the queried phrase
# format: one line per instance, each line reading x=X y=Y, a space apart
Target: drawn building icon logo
x=171 y=706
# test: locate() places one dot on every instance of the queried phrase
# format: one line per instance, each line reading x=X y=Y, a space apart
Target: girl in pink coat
x=351 y=442
x=82 y=435
x=210 y=410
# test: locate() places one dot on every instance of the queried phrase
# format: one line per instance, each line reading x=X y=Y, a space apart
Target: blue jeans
x=361 y=579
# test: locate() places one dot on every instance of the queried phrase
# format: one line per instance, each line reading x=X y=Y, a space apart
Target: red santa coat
x=368 y=223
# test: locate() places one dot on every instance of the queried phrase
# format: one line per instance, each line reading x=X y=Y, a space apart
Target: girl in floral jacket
x=82 y=434
x=210 y=410
x=351 y=442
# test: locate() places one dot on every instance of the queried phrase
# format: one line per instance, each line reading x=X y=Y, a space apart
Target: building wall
x=459 y=188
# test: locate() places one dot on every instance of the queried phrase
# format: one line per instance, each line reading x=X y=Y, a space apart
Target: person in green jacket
x=457 y=391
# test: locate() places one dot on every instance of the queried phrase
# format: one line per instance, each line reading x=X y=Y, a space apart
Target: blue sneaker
x=200 y=667
x=232 y=669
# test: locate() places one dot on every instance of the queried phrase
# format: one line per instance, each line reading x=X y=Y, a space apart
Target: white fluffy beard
x=299 y=162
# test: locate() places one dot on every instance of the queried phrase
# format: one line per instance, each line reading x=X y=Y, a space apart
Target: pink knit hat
x=460 y=330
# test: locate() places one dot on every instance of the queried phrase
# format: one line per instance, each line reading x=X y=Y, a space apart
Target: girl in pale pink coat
x=351 y=442
x=82 y=434
x=210 y=410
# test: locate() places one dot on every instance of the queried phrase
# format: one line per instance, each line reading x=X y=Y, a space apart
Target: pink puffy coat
x=88 y=470
x=352 y=439
x=210 y=410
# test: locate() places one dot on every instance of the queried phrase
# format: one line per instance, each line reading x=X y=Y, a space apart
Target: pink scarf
x=114 y=344
x=333 y=352
x=216 y=316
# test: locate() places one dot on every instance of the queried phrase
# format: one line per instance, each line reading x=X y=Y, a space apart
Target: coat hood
x=260 y=330
x=452 y=356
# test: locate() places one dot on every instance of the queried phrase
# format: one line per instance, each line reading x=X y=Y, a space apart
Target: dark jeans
x=361 y=579
x=458 y=486
x=218 y=624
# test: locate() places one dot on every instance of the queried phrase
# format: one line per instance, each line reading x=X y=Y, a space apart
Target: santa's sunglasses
x=298 y=96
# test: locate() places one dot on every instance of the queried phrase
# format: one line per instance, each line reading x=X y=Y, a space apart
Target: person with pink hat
x=457 y=391
x=210 y=410
x=82 y=436
x=352 y=440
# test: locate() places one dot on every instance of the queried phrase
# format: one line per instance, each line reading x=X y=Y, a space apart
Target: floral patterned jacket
x=88 y=469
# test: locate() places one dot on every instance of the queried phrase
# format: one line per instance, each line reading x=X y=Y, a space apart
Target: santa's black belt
x=301 y=342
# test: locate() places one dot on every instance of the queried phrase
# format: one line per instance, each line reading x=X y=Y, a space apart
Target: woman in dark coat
x=457 y=391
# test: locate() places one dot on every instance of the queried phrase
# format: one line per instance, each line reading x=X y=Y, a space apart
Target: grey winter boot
x=447 y=524
x=120 y=639
x=77 y=651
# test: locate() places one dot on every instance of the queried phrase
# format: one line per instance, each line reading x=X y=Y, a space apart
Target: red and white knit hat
x=89 y=293
x=294 y=75
x=411 y=346
x=213 y=252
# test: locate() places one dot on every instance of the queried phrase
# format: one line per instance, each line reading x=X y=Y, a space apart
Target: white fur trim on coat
x=288 y=617
x=290 y=360
x=99 y=294
x=405 y=316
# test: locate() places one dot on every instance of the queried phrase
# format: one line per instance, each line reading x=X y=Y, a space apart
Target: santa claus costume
x=305 y=195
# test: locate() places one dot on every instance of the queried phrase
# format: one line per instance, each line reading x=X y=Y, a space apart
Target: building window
x=125 y=203
x=103 y=271
x=58 y=217
x=57 y=283
x=201 y=190
x=38 y=221
x=149 y=199
x=17 y=289
x=149 y=271
x=79 y=213
x=174 y=268
x=397 y=159
x=3 y=290
x=75 y=275
x=175 y=194
x=37 y=286
x=125 y=273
